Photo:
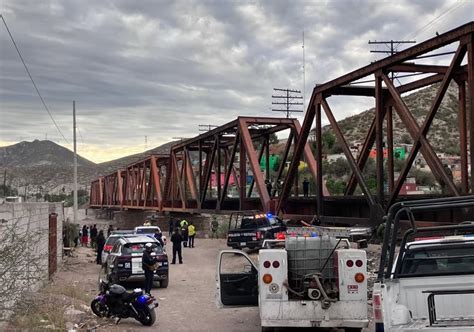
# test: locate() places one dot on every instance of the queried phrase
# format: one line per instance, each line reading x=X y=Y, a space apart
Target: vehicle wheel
x=164 y=283
x=267 y=329
x=352 y=329
x=147 y=316
x=98 y=308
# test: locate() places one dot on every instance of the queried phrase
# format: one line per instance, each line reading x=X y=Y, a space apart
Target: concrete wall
x=24 y=249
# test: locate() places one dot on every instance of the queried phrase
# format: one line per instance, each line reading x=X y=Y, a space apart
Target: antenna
x=289 y=95
x=304 y=76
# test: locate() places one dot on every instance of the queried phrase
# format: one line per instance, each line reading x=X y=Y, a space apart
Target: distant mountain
x=443 y=133
x=39 y=153
x=44 y=166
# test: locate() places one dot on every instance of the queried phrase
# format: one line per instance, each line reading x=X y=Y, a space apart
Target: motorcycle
x=115 y=302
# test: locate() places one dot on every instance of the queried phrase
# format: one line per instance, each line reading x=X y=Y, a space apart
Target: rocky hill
x=39 y=153
x=46 y=167
x=444 y=131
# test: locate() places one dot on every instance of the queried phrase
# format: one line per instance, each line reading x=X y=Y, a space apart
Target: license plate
x=243 y=243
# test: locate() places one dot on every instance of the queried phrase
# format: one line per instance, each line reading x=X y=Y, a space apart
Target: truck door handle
x=238 y=280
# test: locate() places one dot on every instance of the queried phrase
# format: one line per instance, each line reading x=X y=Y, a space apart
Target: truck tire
x=352 y=329
x=164 y=283
x=268 y=329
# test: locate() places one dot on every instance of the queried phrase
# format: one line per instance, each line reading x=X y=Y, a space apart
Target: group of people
x=183 y=235
x=275 y=192
x=89 y=235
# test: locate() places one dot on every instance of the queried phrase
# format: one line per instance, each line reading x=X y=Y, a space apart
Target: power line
x=32 y=81
x=453 y=7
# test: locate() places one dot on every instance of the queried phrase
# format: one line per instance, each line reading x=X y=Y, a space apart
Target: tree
x=6 y=190
x=273 y=139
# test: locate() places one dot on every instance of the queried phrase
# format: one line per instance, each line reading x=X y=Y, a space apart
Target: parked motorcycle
x=114 y=301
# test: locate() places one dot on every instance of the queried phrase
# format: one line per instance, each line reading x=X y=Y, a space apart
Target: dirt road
x=188 y=304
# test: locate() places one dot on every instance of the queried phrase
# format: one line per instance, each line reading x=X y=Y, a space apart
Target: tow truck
x=429 y=284
x=307 y=277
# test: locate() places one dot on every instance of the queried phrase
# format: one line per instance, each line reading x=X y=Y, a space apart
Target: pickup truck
x=429 y=284
x=249 y=229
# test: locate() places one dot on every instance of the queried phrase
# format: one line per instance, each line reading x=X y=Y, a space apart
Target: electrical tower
x=291 y=98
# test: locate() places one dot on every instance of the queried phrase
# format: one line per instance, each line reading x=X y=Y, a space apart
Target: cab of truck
x=248 y=229
x=429 y=284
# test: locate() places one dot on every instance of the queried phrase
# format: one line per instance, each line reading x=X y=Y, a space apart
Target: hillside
x=44 y=166
x=112 y=165
x=444 y=132
x=39 y=153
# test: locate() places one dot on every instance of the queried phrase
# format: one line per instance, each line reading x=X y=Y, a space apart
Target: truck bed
x=442 y=326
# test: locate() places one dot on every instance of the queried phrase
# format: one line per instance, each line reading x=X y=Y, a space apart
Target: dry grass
x=45 y=310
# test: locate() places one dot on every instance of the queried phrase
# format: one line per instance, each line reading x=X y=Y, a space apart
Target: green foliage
x=273 y=138
x=68 y=199
x=335 y=187
x=423 y=178
x=7 y=191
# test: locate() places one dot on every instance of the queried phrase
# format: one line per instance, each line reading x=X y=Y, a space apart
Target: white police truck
x=429 y=284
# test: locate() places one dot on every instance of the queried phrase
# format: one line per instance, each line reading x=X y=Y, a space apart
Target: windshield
x=439 y=260
x=137 y=248
x=148 y=230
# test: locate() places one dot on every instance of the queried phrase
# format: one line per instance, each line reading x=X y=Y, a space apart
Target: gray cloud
x=161 y=68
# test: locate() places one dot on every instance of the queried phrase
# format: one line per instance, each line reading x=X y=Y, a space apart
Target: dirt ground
x=188 y=304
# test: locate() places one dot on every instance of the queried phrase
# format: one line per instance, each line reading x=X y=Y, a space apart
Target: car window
x=248 y=223
x=116 y=248
x=112 y=240
x=439 y=260
x=137 y=248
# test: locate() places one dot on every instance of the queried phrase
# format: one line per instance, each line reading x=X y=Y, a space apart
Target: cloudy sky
x=160 y=68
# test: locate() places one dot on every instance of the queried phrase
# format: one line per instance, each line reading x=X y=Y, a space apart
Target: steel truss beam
x=388 y=98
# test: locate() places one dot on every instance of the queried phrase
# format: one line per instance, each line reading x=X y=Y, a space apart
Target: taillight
x=350 y=263
x=359 y=263
x=267 y=264
x=259 y=235
x=280 y=236
x=359 y=277
x=107 y=248
x=378 y=314
x=267 y=278
x=276 y=264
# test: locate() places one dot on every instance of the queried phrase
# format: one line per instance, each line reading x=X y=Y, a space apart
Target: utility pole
x=208 y=127
x=289 y=95
x=146 y=142
x=5 y=183
x=393 y=48
x=75 y=160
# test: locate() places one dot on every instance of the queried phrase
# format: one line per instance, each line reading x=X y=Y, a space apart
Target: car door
x=112 y=257
x=237 y=279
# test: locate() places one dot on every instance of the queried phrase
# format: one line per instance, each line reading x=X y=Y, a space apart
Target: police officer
x=148 y=265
